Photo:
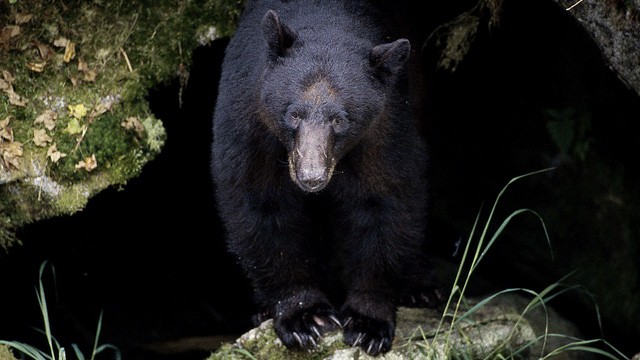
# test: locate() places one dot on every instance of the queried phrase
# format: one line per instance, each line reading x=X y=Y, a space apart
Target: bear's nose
x=313 y=182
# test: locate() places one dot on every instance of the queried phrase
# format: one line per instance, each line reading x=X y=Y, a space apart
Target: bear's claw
x=304 y=327
x=372 y=335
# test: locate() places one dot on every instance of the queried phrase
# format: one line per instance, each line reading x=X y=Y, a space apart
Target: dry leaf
x=10 y=152
x=48 y=118
x=41 y=138
x=133 y=123
x=15 y=99
x=89 y=163
x=44 y=50
x=23 y=18
x=4 y=85
x=54 y=154
x=61 y=42
x=6 y=75
x=5 y=122
x=69 y=51
x=37 y=67
x=6 y=133
x=90 y=76
x=82 y=65
x=8 y=32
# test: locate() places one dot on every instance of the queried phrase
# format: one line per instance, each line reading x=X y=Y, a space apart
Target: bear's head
x=322 y=92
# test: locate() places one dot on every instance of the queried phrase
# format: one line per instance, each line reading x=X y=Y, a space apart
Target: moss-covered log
x=74 y=76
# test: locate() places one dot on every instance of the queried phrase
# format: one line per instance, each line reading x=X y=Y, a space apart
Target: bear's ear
x=390 y=57
x=279 y=36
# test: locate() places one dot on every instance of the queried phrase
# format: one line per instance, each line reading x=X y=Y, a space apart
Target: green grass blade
x=455 y=287
x=116 y=351
x=42 y=302
x=504 y=224
x=585 y=346
x=77 y=351
x=95 y=341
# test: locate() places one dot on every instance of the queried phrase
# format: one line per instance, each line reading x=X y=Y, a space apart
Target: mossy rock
x=74 y=76
x=490 y=332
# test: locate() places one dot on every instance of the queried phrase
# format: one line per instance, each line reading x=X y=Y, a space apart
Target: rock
x=74 y=118
x=490 y=331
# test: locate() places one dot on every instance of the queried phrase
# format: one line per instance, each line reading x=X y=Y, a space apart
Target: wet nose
x=313 y=181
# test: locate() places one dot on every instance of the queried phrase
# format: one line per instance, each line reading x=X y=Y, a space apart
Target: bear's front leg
x=381 y=238
x=270 y=234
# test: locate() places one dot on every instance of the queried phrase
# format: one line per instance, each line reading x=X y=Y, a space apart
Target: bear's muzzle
x=311 y=160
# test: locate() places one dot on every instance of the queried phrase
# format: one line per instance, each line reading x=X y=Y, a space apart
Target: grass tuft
x=56 y=351
x=454 y=315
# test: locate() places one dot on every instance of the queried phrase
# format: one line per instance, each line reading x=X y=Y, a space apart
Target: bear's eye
x=294 y=118
x=339 y=123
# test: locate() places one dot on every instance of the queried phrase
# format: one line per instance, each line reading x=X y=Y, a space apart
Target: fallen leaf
x=8 y=32
x=48 y=118
x=44 y=50
x=90 y=76
x=23 y=18
x=15 y=99
x=41 y=138
x=82 y=65
x=133 y=123
x=4 y=85
x=77 y=111
x=10 y=152
x=89 y=163
x=54 y=154
x=61 y=42
x=69 y=51
x=36 y=67
x=5 y=122
x=6 y=75
x=74 y=127
x=6 y=133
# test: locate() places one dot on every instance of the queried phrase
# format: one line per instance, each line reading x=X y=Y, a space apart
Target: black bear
x=320 y=171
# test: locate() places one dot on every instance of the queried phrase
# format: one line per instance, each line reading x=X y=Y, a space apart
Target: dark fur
x=352 y=244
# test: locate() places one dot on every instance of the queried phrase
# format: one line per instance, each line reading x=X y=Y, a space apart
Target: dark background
x=152 y=255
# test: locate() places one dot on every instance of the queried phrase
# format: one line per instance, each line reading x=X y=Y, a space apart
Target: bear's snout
x=311 y=160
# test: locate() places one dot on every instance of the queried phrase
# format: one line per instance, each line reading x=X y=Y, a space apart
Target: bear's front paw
x=374 y=336
x=301 y=328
